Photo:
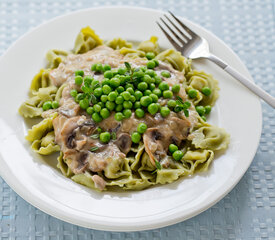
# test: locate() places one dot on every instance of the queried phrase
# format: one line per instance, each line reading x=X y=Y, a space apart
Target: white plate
x=38 y=181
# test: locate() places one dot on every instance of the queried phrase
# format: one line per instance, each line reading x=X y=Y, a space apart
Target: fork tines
x=179 y=32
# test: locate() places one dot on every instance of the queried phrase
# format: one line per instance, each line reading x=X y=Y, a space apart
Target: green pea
x=153 y=108
x=106 y=67
x=93 y=68
x=97 y=108
x=200 y=110
x=171 y=103
x=73 y=92
x=157 y=92
x=158 y=80
x=129 y=85
x=90 y=110
x=95 y=84
x=122 y=79
x=119 y=107
x=147 y=92
x=159 y=106
x=126 y=95
x=142 y=86
x=114 y=82
x=147 y=79
x=108 y=74
x=104 y=98
x=172 y=148
x=104 y=113
x=137 y=105
x=110 y=105
x=105 y=137
x=130 y=90
x=132 y=98
x=206 y=91
x=207 y=109
x=152 y=86
x=164 y=111
x=55 y=104
x=127 y=113
x=84 y=103
x=96 y=117
x=138 y=94
x=163 y=86
x=88 y=80
x=192 y=93
x=79 y=73
x=167 y=94
x=121 y=71
x=141 y=128
x=120 y=89
x=119 y=100
x=145 y=101
x=98 y=92
x=106 y=89
x=99 y=67
x=135 y=137
x=156 y=62
x=138 y=74
x=150 y=55
x=105 y=81
x=47 y=105
x=177 y=155
x=154 y=97
x=112 y=96
x=127 y=104
x=139 y=113
x=176 y=88
x=101 y=104
x=151 y=64
x=150 y=72
x=78 y=80
x=165 y=74
x=119 y=116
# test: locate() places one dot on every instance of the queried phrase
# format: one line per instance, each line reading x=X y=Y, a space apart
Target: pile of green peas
x=124 y=90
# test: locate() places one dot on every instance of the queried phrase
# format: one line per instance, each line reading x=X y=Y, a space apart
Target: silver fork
x=193 y=46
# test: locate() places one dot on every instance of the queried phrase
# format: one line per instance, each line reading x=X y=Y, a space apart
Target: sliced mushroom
x=77 y=161
x=124 y=142
x=153 y=144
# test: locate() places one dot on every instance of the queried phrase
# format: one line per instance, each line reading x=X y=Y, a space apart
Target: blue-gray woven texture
x=248 y=211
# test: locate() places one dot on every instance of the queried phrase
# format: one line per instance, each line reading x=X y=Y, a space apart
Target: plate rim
x=108 y=227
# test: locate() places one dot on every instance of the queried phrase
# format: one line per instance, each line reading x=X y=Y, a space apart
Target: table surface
x=248 y=211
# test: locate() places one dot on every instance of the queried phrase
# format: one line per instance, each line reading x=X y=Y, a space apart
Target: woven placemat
x=248 y=211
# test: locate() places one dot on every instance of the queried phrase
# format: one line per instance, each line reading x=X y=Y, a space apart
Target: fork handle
x=250 y=85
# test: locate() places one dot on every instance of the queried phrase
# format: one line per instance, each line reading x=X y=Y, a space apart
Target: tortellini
x=150 y=45
x=199 y=159
x=175 y=59
x=198 y=80
x=118 y=43
x=132 y=53
x=55 y=57
x=40 y=80
x=62 y=165
x=86 y=40
x=45 y=145
x=210 y=137
x=38 y=131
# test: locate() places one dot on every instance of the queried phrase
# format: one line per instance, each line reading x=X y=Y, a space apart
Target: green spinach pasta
x=123 y=117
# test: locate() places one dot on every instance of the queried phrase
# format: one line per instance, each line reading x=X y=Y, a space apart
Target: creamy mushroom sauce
x=73 y=127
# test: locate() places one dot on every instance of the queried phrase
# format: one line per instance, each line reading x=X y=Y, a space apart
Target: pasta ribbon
x=86 y=40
